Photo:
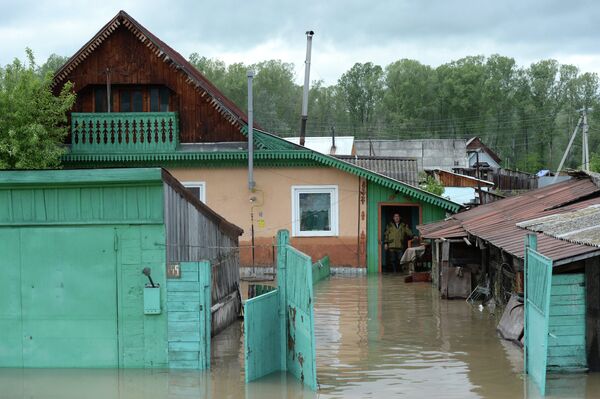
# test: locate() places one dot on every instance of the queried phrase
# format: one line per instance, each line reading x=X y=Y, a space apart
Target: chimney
x=309 y=35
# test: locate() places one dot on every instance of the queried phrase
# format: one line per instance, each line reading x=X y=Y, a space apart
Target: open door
x=538 y=284
x=411 y=216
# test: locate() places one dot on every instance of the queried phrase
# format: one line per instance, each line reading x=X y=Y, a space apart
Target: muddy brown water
x=377 y=337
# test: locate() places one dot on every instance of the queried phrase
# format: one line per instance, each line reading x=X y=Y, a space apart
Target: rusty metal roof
x=497 y=222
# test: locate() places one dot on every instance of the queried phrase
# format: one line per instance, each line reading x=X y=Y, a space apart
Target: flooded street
x=376 y=337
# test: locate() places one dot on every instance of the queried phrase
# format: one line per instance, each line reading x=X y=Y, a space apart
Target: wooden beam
x=592 y=313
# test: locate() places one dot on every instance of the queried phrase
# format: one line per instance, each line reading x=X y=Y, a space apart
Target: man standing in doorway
x=396 y=235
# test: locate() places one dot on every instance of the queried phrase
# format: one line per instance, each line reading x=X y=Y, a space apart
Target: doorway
x=411 y=216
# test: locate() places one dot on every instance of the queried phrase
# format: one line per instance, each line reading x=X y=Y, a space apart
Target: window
x=198 y=188
x=100 y=103
x=159 y=99
x=314 y=211
x=132 y=100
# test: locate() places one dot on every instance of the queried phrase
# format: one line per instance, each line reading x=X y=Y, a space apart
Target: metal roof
x=496 y=222
x=402 y=169
x=580 y=226
x=344 y=145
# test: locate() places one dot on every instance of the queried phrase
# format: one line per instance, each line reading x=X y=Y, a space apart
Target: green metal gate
x=538 y=284
x=279 y=325
x=63 y=284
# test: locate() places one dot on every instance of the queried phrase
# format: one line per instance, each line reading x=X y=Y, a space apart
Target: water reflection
x=376 y=337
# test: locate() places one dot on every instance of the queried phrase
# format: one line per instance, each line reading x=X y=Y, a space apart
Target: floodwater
x=376 y=337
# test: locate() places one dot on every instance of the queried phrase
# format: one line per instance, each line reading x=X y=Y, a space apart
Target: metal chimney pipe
x=309 y=35
x=251 y=183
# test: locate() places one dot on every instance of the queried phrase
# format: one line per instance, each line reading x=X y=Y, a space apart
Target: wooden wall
x=193 y=236
x=131 y=63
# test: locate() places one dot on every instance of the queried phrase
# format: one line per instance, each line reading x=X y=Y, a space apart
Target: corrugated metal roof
x=344 y=145
x=580 y=226
x=496 y=223
x=402 y=169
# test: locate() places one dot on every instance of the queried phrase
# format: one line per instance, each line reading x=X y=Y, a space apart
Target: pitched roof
x=497 y=222
x=401 y=169
x=175 y=60
x=275 y=149
x=475 y=143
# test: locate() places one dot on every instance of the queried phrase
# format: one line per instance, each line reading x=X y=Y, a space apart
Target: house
x=459 y=188
x=140 y=103
x=486 y=246
x=479 y=152
x=112 y=268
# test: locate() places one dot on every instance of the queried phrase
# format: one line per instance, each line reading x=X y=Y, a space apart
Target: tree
x=32 y=119
x=432 y=185
x=362 y=87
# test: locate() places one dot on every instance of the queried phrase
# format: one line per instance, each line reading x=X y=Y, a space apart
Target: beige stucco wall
x=227 y=193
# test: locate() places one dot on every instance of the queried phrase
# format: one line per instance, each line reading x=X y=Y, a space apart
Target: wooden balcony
x=124 y=132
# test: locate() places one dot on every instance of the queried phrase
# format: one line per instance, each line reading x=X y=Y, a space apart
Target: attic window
x=159 y=99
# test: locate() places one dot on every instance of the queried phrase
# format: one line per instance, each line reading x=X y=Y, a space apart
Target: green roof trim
x=269 y=158
x=80 y=176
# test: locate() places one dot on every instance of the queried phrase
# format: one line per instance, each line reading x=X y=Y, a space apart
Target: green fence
x=321 y=269
x=279 y=325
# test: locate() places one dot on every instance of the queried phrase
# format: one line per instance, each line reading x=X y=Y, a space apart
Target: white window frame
x=201 y=185
x=333 y=210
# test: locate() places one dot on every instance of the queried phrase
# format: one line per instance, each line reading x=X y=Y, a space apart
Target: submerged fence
x=279 y=330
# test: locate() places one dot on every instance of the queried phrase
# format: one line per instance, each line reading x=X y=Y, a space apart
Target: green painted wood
x=262 y=336
x=301 y=348
x=82 y=205
x=189 y=316
x=321 y=269
x=68 y=290
x=377 y=194
x=567 y=341
x=11 y=331
x=59 y=178
x=143 y=339
x=124 y=132
x=538 y=282
x=283 y=340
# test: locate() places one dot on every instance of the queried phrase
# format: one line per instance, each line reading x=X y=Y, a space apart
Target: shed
x=74 y=244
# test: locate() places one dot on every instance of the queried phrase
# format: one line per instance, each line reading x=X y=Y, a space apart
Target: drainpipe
x=251 y=183
x=309 y=35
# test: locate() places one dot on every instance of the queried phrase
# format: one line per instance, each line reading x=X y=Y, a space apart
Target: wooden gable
x=135 y=59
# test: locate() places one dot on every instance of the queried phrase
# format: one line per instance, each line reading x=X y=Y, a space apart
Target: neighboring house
x=477 y=150
x=487 y=245
x=461 y=188
x=429 y=153
x=163 y=112
x=342 y=145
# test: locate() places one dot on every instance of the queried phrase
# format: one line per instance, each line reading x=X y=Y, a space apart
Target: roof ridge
x=215 y=97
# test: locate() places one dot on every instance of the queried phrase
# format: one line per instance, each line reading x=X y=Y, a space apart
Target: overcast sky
x=431 y=31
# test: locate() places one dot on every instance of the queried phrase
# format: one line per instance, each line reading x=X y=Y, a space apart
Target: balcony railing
x=124 y=132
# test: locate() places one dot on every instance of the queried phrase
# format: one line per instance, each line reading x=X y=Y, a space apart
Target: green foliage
x=595 y=163
x=432 y=185
x=525 y=114
x=32 y=119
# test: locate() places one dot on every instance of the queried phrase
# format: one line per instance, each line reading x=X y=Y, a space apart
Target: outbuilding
x=111 y=268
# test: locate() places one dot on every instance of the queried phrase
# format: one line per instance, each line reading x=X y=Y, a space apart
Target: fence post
x=283 y=240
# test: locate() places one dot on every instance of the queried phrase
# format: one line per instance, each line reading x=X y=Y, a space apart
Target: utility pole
x=562 y=161
x=585 y=148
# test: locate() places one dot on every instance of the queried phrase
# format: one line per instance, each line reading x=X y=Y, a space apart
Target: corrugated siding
x=192 y=237
x=566 y=344
x=377 y=194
